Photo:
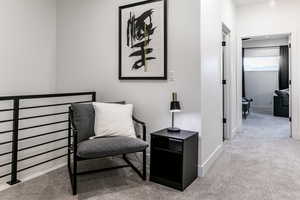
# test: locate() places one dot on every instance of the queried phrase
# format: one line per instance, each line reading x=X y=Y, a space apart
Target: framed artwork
x=143 y=41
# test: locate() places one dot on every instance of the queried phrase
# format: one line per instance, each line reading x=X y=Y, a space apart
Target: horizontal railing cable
x=41 y=144
x=41 y=163
x=6 y=110
x=5 y=121
x=39 y=154
x=3 y=132
x=2 y=176
x=46 y=115
x=40 y=135
x=53 y=105
x=7 y=142
x=5 y=164
x=42 y=125
x=37 y=126
x=34 y=117
x=41 y=96
x=6 y=153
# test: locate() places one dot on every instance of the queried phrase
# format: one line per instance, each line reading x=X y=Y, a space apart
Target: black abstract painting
x=142 y=49
x=139 y=32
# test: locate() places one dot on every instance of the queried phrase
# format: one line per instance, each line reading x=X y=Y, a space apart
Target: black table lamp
x=174 y=107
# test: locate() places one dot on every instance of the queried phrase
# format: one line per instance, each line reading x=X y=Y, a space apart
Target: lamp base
x=173 y=130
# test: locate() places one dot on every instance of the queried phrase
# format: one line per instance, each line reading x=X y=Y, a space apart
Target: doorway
x=266 y=84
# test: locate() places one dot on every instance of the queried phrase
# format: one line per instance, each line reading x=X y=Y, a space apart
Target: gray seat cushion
x=84 y=120
x=109 y=146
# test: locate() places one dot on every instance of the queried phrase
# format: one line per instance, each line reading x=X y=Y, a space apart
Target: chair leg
x=75 y=177
x=70 y=169
x=141 y=174
x=144 y=166
x=69 y=159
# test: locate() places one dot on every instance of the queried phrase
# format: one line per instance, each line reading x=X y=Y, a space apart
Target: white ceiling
x=267 y=40
x=269 y=37
x=245 y=2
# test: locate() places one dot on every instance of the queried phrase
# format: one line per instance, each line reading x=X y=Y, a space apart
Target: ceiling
x=245 y=2
x=267 y=40
x=268 y=37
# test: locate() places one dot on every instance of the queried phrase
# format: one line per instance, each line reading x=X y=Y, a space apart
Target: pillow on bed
x=113 y=120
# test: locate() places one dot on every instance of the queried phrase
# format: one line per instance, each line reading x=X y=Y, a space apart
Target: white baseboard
x=6 y=186
x=203 y=169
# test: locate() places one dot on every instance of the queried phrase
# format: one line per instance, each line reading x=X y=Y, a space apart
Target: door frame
x=239 y=76
x=290 y=86
x=226 y=76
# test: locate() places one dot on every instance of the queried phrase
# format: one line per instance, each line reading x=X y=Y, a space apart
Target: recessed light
x=272 y=3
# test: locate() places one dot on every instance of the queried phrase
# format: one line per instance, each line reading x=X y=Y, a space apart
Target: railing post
x=69 y=138
x=94 y=96
x=15 y=135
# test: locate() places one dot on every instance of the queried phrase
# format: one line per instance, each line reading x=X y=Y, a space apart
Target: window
x=270 y=63
x=262 y=59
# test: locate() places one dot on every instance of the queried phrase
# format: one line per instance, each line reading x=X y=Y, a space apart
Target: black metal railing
x=14 y=131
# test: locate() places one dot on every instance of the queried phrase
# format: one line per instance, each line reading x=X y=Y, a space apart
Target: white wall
x=211 y=99
x=283 y=17
x=27 y=50
x=260 y=85
x=87 y=59
x=212 y=16
x=27 y=66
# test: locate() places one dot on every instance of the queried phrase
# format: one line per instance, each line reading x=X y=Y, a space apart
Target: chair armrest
x=143 y=124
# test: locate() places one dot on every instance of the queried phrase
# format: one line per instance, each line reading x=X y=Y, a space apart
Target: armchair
x=281 y=103
x=81 y=122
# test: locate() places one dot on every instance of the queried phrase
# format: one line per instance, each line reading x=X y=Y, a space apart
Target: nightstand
x=174 y=158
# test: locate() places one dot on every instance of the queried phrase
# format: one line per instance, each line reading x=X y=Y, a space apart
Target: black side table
x=174 y=158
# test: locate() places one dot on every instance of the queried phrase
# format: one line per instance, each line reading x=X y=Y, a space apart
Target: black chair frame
x=246 y=106
x=72 y=149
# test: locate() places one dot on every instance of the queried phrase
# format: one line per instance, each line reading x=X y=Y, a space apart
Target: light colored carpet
x=261 y=163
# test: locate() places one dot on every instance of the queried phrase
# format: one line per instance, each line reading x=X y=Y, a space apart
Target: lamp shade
x=175 y=106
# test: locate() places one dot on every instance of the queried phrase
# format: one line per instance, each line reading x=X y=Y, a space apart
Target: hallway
x=265 y=126
x=261 y=163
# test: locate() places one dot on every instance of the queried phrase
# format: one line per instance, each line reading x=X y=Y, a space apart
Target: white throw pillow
x=113 y=120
